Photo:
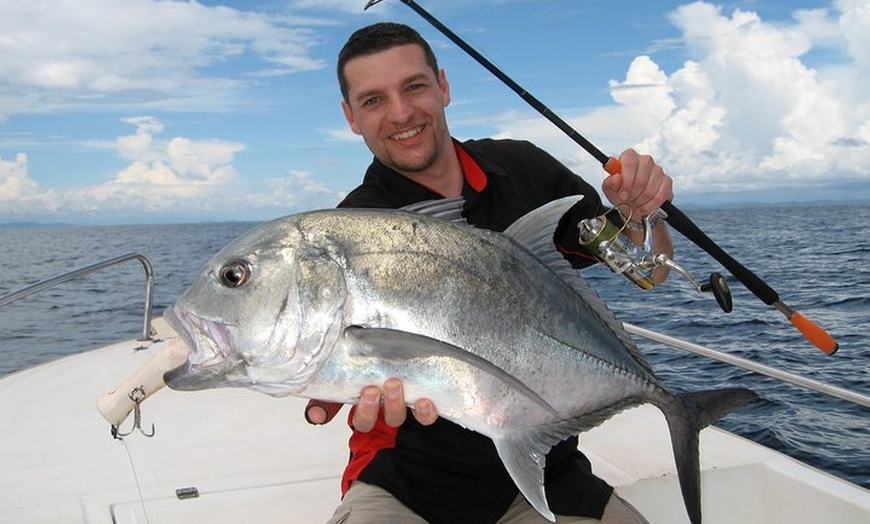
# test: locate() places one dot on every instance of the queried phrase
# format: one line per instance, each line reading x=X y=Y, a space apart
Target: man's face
x=396 y=102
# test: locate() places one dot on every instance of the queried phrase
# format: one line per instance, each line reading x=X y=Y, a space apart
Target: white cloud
x=181 y=166
x=20 y=195
x=780 y=119
x=15 y=181
x=138 y=146
x=175 y=177
x=292 y=190
x=854 y=23
x=18 y=192
x=746 y=110
x=60 y=54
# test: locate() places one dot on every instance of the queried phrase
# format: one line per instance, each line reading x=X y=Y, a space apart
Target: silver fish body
x=496 y=329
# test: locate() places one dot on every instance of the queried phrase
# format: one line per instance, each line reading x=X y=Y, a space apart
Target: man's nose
x=400 y=110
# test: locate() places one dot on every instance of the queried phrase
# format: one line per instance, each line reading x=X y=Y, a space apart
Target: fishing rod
x=676 y=218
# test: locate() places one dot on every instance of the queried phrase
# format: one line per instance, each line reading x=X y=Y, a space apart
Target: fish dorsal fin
x=449 y=209
x=535 y=231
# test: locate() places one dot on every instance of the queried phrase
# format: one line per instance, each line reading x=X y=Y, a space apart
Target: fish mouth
x=209 y=341
x=173 y=316
x=188 y=378
x=208 y=362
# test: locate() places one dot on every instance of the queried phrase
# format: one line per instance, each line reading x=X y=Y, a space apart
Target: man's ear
x=348 y=115
x=445 y=87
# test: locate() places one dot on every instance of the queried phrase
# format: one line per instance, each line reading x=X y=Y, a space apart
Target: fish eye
x=235 y=273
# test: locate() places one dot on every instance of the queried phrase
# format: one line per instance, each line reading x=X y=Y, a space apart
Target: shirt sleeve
x=562 y=182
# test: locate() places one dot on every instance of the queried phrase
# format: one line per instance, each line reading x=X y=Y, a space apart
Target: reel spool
x=607 y=242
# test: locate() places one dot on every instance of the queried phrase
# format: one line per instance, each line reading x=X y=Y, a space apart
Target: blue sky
x=165 y=111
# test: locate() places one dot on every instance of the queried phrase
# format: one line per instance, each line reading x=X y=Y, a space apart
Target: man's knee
x=364 y=503
x=620 y=511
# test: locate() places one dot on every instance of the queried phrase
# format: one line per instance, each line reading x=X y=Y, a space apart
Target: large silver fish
x=496 y=329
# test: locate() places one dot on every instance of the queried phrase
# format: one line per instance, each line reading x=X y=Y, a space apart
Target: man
x=422 y=468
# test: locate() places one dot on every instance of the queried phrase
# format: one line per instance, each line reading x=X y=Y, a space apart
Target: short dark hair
x=376 y=38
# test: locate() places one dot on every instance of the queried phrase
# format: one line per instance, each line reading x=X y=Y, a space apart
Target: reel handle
x=721 y=292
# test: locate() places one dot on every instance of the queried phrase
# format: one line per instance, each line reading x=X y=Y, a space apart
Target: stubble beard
x=414 y=167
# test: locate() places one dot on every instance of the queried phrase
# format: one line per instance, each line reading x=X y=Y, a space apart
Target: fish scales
x=438 y=278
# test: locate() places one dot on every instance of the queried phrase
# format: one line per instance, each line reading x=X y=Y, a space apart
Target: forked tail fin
x=690 y=414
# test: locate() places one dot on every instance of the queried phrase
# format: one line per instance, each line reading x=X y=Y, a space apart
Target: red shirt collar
x=474 y=175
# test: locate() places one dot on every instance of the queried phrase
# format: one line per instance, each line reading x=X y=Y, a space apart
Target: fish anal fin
x=524 y=455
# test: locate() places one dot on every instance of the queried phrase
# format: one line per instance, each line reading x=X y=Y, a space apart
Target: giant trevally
x=495 y=328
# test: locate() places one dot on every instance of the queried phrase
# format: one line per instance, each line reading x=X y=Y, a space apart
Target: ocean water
x=817 y=258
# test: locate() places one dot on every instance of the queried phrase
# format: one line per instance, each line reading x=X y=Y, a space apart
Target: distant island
x=35 y=224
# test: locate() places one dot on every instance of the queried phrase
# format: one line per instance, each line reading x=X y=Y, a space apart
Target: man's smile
x=405 y=135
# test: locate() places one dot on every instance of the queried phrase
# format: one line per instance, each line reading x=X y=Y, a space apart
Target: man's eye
x=371 y=101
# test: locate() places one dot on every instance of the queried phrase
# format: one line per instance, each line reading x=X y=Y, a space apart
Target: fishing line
x=136 y=395
x=679 y=221
x=136 y=478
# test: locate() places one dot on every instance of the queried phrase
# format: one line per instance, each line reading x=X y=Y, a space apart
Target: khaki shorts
x=367 y=504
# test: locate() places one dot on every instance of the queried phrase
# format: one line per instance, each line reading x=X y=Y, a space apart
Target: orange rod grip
x=816 y=335
x=613 y=166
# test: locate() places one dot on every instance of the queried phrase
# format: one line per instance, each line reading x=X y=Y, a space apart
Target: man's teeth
x=408 y=134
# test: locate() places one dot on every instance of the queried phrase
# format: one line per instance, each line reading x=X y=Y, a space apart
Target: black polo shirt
x=443 y=472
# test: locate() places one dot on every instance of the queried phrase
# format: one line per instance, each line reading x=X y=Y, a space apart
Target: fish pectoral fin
x=393 y=344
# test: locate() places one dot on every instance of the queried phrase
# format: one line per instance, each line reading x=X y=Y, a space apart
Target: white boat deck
x=253 y=458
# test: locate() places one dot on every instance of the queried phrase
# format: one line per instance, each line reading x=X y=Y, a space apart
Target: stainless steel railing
x=785 y=376
x=79 y=273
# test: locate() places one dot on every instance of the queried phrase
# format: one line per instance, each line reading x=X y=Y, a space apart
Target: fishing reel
x=607 y=242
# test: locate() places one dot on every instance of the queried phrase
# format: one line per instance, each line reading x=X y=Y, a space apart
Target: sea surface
x=816 y=257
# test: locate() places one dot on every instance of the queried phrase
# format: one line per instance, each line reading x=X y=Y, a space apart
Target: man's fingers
x=642 y=186
x=390 y=398
x=395 y=409
x=366 y=413
x=425 y=412
x=319 y=412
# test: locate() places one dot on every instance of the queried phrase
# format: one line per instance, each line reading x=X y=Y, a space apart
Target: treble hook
x=137 y=395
